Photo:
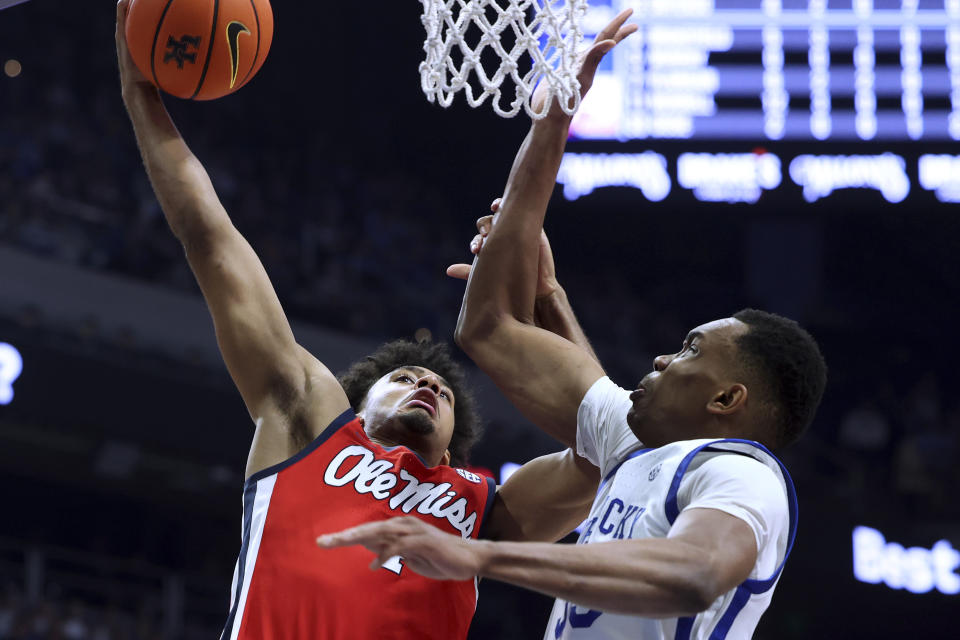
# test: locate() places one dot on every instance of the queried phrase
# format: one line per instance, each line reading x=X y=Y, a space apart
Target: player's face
x=671 y=402
x=413 y=407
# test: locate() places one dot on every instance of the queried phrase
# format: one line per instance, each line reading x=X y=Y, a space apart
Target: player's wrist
x=556 y=121
x=484 y=554
x=134 y=89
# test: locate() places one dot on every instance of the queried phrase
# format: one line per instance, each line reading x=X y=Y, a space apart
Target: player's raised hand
x=547 y=275
x=461 y=271
x=424 y=548
x=129 y=73
x=608 y=37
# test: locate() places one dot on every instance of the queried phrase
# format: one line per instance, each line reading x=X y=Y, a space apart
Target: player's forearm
x=653 y=577
x=505 y=276
x=533 y=175
x=502 y=286
x=554 y=313
x=179 y=181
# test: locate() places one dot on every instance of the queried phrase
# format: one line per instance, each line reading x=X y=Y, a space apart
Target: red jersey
x=287 y=588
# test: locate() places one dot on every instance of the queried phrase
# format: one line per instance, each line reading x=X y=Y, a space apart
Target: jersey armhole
x=336 y=425
x=491 y=496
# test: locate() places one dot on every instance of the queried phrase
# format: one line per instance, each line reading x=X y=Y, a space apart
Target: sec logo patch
x=469 y=475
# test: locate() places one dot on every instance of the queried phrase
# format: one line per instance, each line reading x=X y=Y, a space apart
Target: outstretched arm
x=285 y=389
x=543 y=374
x=706 y=553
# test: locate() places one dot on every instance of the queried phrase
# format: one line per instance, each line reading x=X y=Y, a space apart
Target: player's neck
x=429 y=458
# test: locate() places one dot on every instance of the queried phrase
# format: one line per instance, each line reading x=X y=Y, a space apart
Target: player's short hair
x=435 y=356
x=782 y=361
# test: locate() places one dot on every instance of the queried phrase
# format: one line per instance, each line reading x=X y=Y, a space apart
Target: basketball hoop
x=467 y=29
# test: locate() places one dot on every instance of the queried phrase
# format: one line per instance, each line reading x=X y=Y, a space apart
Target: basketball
x=199 y=49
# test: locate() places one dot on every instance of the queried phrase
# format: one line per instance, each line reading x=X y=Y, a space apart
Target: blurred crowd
x=907 y=442
x=55 y=618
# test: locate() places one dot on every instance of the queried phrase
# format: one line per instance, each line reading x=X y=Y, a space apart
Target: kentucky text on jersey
x=358 y=465
x=618 y=518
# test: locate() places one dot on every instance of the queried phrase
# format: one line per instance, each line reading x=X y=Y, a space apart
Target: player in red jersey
x=328 y=454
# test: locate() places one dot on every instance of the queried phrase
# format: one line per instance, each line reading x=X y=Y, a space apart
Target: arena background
x=121 y=454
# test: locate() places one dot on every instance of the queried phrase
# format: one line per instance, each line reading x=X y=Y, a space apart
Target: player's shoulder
x=604 y=391
x=743 y=473
x=733 y=461
x=604 y=407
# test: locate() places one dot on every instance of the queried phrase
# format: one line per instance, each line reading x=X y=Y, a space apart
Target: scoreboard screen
x=867 y=76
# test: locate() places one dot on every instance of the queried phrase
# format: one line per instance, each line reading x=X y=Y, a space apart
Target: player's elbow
x=475 y=331
x=703 y=585
x=200 y=236
x=684 y=596
x=678 y=598
x=697 y=598
x=691 y=587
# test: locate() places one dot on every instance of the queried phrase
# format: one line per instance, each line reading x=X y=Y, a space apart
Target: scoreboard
x=754 y=76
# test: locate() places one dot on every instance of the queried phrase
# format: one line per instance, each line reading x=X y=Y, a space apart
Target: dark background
x=121 y=461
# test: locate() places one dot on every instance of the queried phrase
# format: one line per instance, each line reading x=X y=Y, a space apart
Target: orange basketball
x=199 y=49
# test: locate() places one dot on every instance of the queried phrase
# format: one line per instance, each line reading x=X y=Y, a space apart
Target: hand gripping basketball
x=196 y=49
x=129 y=73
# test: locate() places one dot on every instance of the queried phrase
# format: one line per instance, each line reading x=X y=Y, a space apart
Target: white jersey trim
x=263 y=491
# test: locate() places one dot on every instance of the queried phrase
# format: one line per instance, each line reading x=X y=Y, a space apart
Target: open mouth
x=426 y=400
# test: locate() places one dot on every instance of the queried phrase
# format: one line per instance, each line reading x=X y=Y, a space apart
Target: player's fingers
x=459 y=271
x=625 y=31
x=361 y=534
x=495 y=205
x=385 y=551
x=614 y=25
x=122 y=7
x=476 y=244
x=389 y=551
x=383 y=557
x=592 y=61
x=598 y=50
x=331 y=540
x=485 y=223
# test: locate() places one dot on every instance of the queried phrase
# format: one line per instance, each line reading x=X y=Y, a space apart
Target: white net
x=501 y=33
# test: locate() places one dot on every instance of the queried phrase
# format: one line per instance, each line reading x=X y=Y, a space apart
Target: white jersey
x=642 y=493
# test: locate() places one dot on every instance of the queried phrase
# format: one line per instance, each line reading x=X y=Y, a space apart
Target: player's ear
x=445 y=458
x=728 y=401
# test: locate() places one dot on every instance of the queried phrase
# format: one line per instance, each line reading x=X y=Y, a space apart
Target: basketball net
x=474 y=26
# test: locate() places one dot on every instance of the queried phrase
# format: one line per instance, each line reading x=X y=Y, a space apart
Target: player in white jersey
x=695 y=517
x=642 y=495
